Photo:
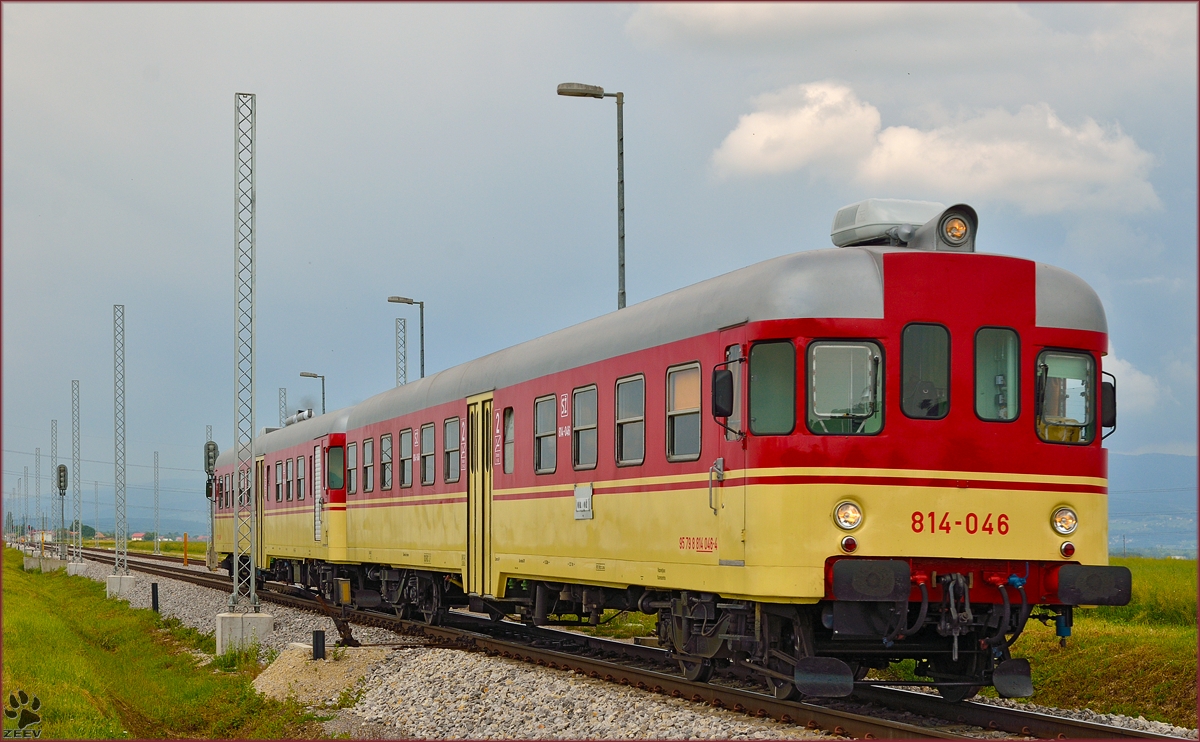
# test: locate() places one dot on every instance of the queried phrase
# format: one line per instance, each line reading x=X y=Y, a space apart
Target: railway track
x=646 y=668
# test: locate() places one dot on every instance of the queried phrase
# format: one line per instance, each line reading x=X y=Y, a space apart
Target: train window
x=278 y=481
x=1064 y=397
x=225 y=491
x=997 y=374
x=287 y=485
x=300 y=467
x=450 y=442
x=683 y=413
x=509 y=441
x=427 y=462
x=351 y=468
x=925 y=371
x=583 y=433
x=772 y=388
x=368 y=478
x=406 y=459
x=845 y=387
x=631 y=421
x=544 y=436
x=335 y=468
x=385 y=461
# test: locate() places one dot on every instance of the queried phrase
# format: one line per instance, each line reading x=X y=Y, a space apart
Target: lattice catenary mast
x=76 y=496
x=25 y=487
x=401 y=352
x=245 y=536
x=37 y=472
x=120 y=547
x=283 y=408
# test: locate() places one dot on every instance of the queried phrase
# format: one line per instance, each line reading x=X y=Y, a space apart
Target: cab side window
x=772 y=388
x=1065 y=398
x=351 y=468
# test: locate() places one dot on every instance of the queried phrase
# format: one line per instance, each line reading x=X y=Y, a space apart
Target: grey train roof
x=836 y=283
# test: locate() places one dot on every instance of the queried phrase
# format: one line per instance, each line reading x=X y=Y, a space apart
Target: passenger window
x=300 y=467
x=278 y=481
x=544 y=434
x=583 y=422
x=427 y=462
x=1064 y=397
x=683 y=413
x=925 y=370
x=385 y=461
x=997 y=374
x=287 y=485
x=406 y=459
x=772 y=388
x=450 y=442
x=351 y=468
x=368 y=465
x=508 y=440
x=631 y=421
x=845 y=383
x=334 y=468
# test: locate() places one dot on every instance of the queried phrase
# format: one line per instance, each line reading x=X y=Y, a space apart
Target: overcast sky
x=421 y=150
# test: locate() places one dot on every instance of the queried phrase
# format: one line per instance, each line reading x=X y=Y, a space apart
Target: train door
x=318 y=493
x=729 y=497
x=479 y=495
x=260 y=502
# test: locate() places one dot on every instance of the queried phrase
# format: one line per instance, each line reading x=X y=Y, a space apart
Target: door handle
x=717 y=469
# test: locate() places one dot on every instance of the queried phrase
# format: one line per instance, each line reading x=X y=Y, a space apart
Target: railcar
x=806 y=468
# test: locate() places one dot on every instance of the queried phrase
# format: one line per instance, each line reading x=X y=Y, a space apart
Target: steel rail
x=468 y=634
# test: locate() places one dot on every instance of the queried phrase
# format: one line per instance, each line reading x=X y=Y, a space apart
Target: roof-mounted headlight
x=953 y=230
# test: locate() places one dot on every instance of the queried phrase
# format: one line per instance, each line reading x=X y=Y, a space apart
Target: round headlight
x=954 y=230
x=1064 y=521
x=848 y=516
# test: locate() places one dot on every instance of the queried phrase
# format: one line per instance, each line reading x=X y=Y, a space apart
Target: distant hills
x=1152 y=503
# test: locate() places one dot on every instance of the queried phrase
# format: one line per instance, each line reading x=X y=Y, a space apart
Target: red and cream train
x=815 y=465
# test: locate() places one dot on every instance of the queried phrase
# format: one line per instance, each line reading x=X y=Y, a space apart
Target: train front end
x=955 y=484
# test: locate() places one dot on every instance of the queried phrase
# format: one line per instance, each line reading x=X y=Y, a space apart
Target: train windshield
x=335 y=465
x=845 y=388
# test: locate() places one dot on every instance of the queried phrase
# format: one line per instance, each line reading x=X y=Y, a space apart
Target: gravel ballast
x=417 y=691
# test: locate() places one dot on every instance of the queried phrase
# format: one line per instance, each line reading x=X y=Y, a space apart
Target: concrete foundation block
x=235 y=630
x=42 y=564
x=120 y=586
x=76 y=568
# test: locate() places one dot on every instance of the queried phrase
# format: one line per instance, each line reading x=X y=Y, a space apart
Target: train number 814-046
x=974 y=523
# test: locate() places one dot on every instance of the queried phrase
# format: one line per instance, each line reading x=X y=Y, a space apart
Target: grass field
x=102 y=670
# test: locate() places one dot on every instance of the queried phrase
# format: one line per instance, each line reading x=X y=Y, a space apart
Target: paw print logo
x=22 y=708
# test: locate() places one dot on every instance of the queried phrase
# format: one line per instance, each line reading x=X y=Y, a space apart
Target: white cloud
x=1030 y=158
x=1138 y=393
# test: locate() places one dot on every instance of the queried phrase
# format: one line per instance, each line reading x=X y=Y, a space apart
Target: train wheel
x=783 y=690
x=956 y=693
x=697 y=672
x=431 y=603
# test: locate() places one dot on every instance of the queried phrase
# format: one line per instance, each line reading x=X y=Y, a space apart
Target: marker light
x=955 y=230
x=849 y=544
x=1067 y=549
x=1064 y=521
x=848 y=516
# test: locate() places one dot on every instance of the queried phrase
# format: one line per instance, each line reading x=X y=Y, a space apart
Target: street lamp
x=579 y=90
x=311 y=375
x=421 y=304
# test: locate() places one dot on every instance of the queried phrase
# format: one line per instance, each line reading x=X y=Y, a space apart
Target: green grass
x=104 y=670
x=1164 y=593
x=622 y=626
x=195 y=550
